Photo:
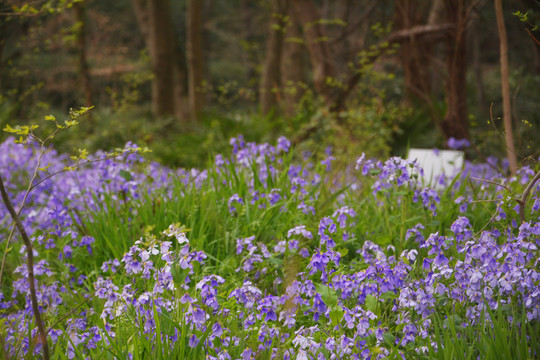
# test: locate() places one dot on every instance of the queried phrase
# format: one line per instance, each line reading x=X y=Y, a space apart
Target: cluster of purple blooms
x=322 y=302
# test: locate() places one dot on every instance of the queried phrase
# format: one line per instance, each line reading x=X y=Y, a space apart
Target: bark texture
x=42 y=333
x=270 y=86
x=317 y=44
x=414 y=54
x=160 y=40
x=195 y=58
x=455 y=122
x=155 y=24
x=505 y=87
x=84 y=69
x=292 y=65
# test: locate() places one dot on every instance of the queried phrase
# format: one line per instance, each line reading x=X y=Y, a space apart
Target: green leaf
x=371 y=303
x=328 y=295
x=9 y=129
x=336 y=314
x=126 y=175
x=389 y=295
x=343 y=252
x=389 y=339
x=276 y=261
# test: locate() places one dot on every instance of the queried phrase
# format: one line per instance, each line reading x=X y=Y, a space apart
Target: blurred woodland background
x=183 y=76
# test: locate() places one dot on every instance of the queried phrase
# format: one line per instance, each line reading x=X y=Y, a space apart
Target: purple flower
x=458 y=144
x=237 y=143
x=326 y=224
x=217 y=330
x=274 y=196
x=219 y=161
x=319 y=261
x=87 y=241
x=283 y=144
x=300 y=230
x=364 y=164
x=193 y=341
x=327 y=162
x=281 y=247
x=293 y=244
x=248 y=354
x=440 y=260
x=235 y=198
x=67 y=251
x=304 y=253
x=199 y=316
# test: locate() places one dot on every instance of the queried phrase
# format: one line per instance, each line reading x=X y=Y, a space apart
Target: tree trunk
x=161 y=40
x=246 y=16
x=477 y=70
x=415 y=54
x=271 y=75
x=292 y=65
x=536 y=48
x=80 y=12
x=436 y=12
x=156 y=27
x=455 y=123
x=317 y=43
x=195 y=58
x=141 y=9
x=181 y=110
x=505 y=87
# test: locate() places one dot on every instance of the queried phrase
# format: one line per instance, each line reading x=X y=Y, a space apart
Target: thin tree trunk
x=455 y=123
x=30 y=268
x=271 y=75
x=436 y=12
x=505 y=87
x=153 y=17
x=181 y=110
x=317 y=43
x=177 y=92
x=415 y=54
x=3 y=39
x=536 y=56
x=477 y=70
x=246 y=15
x=80 y=11
x=162 y=51
x=195 y=58
x=141 y=9
x=292 y=65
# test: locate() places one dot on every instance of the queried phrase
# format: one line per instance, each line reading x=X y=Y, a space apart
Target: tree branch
x=30 y=266
x=419 y=30
x=525 y=194
x=394 y=38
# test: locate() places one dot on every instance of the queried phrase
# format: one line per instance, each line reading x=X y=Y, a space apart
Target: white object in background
x=437 y=163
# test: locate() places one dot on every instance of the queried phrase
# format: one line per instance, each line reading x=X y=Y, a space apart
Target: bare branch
x=419 y=30
x=30 y=266
x=522 y=201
